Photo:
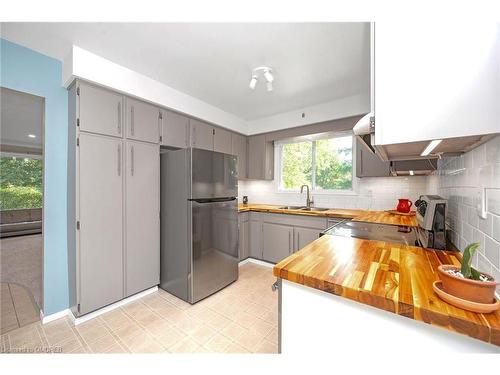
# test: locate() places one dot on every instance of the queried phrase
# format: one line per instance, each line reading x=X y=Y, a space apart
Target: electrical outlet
x=480 y=203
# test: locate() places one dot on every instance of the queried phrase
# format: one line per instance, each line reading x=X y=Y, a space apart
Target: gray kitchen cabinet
x=100 y=221
x=175 y=130
x=142 y=229
x=369 y=164
x=202 y=135
x=143 y=121
x=222 y=140
x=99 y=111
x=239 y=148
x=260 y=158
x=304 y=236
x=277 y=242
x=255 y=239
x=244 y=227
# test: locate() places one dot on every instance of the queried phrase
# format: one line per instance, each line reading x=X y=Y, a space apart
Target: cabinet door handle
x=132 y=130
x=119 y=160
x=298 y=240
x=160 y=119
x=120 y=117
x=132 y=160
x=289 y=242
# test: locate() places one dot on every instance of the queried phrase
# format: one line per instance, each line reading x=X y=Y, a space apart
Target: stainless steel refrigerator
x=199 y=222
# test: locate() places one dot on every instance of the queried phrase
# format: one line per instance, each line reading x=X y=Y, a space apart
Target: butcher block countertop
x=392 y=277
x=381 y=217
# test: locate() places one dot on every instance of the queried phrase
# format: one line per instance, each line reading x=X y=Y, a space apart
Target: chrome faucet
x=309 y=200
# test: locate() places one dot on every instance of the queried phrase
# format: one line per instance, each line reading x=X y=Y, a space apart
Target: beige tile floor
x=242 y=318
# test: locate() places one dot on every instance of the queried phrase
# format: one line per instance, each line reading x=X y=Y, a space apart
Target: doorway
x=21 y=208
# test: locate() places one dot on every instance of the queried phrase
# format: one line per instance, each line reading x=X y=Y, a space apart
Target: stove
x=373 y=231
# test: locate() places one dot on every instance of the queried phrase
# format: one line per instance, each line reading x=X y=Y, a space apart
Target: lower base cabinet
x=243 y=226
x=255 y=239
x=273 y=237
x=277 y=242
x=304 y=236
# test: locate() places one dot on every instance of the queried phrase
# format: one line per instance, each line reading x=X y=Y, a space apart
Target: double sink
x=304 y=208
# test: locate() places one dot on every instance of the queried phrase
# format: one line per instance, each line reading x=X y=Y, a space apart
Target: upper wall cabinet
x=143 y=121
x=222 y=140
x=369 y=164
x=239 y=148
x=435 y=80
x=202 y=135
x=99 y=111
x=175 y=130
x=260 y=158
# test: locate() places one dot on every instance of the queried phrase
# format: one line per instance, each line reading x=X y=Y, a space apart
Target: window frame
x=310 y=138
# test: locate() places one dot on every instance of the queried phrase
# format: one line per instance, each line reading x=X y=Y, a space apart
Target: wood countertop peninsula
x=381 y=217
x=392 y=277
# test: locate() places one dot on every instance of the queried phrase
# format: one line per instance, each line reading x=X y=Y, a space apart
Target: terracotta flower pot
x=471 y=290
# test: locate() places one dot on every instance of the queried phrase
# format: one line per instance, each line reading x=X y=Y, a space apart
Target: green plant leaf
x=474 y=274
x=467 y=260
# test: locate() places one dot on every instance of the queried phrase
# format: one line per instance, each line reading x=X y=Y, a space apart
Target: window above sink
x=325 y=162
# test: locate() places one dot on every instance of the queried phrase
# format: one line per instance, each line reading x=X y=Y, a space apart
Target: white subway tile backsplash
x=460 y=180
x=493 y=199
x=375 y=193
x=492 y=251
x=486 y=225
x=496 y=227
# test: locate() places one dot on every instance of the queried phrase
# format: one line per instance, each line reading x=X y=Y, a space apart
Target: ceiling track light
x=253 y=82
x=266 y=73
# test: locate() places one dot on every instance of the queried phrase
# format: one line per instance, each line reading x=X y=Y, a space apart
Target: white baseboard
x=55 y=316
x=113 y=306
x=256 y=261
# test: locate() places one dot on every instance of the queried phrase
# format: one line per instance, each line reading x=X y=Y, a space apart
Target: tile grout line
x=144 y=328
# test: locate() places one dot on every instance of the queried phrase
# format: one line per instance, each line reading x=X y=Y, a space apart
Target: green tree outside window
x=323 y=164
x=20 y=183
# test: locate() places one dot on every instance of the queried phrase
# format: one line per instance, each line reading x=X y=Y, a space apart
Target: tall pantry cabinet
x=113 y=197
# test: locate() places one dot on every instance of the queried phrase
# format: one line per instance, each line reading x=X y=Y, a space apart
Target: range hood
x=364 y=130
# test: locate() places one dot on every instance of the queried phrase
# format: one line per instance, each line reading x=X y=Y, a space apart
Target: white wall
x=93 y=68
x=88 y=66
x=335 y=109
x=375 y=193
x=459 y=179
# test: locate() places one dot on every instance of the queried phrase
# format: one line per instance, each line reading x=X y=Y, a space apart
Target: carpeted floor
x=21 y=263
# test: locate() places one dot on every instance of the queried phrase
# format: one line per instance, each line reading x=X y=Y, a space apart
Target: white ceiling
x=21 y=114
x=313 y=62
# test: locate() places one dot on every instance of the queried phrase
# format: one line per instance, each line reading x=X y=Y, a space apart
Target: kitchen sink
x=315 y=209
x=304 y=208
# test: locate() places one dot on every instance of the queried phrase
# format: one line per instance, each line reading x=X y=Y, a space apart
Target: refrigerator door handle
x=212 y=200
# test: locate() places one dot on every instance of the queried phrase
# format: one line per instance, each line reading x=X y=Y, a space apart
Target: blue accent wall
x=23 y=69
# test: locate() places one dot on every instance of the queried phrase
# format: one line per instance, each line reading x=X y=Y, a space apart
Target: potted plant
x=467 y=283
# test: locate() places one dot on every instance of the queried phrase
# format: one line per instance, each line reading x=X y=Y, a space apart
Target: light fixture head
x=268 y=75
x=32 y=135
x=431 y=146
x=253 y=82
x=266 y=72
